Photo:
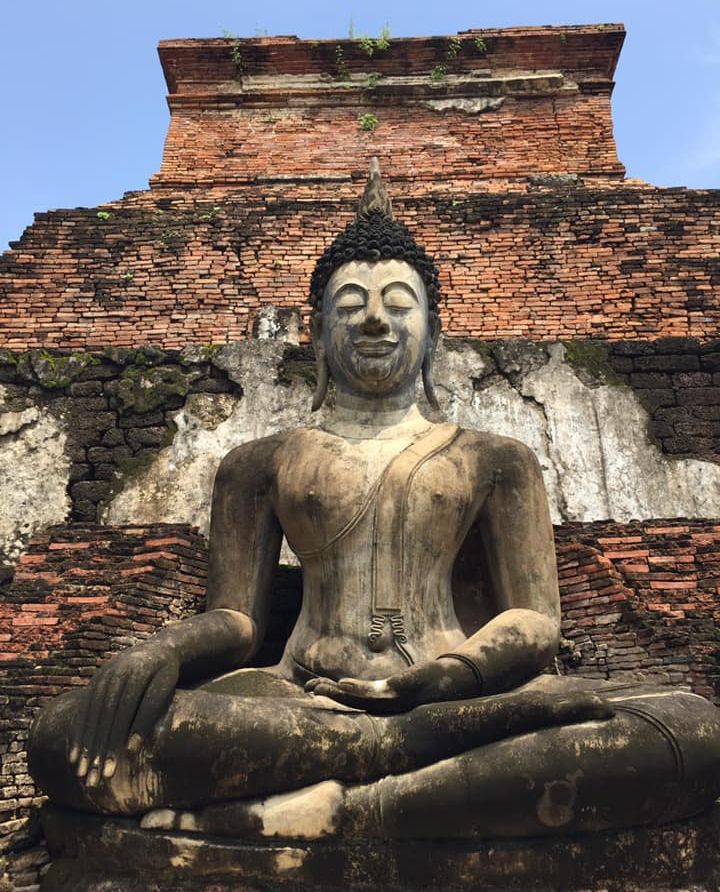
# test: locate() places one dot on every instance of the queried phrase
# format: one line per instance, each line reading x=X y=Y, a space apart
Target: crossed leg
x=213 y=747
x=544 y=758
x=656 y=760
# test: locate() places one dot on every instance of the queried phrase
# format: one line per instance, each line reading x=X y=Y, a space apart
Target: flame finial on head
x=375 y=198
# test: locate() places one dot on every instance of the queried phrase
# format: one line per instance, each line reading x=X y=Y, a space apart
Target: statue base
x=96 y=854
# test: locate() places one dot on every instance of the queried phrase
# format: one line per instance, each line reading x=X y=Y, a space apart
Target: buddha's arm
x=131 y=691
x=516 y=534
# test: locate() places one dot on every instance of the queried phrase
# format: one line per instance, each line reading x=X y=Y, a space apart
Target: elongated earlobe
x=323 y=376
x=321 y=365
x=427 y=381
x=427 y=366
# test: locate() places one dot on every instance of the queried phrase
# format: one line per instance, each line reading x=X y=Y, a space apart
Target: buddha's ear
x=321 y=364
x=427 y=366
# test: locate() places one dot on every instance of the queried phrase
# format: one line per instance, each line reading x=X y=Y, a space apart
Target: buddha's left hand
x=442 y=679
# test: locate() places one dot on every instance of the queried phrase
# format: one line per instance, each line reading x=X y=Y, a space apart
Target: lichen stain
x=289 y=859
x=186 y=853
x=555 y=808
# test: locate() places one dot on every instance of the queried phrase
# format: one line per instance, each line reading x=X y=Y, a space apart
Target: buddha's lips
x=375 y=348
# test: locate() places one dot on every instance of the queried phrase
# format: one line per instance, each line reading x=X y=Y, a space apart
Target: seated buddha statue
x=385 y=717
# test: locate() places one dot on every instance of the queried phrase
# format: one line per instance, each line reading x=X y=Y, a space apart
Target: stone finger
x=103 y=722
x=362 y=688
x=155 y=701
x=76 y=738
x=124 y=709
x=96 y=697
x=314 y=682
x=334 y=692
x=114 y=693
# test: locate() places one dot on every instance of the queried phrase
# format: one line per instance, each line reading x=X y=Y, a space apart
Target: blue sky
x=84 y=113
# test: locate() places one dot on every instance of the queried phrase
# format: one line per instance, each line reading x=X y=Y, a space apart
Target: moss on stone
x=140 y=356
x=53 y=371
x=143 y=389
x=482 y=348
x=119 y=355
x=129 y=469
x=592 y=357
x=196 y=354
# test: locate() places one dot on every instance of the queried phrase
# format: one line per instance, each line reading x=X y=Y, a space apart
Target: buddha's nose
x=374 y=325
x=375 y=322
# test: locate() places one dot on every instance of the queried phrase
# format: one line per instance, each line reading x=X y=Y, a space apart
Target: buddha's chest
x=333 y=488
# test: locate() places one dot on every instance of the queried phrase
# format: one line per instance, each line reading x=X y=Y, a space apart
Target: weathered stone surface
x=112 y=855
x=612 y=471
x=469 y=106
x=618 y=618
x=114 y=412
x=382 y=505
x=34 y=469
x=178 y=483
x=591 y=438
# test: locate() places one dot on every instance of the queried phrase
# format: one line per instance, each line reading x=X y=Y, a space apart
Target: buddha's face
x=375 y=330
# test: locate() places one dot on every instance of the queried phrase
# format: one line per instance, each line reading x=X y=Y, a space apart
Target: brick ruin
x=498 y=148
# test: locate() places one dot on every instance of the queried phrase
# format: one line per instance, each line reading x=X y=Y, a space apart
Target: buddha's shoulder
x=486 y=445
x=267 y=451
x=256 y=454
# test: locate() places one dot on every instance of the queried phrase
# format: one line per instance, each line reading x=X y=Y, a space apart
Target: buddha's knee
x=131 y=790
x=49 y=741
x=699 y=754
x=687 y=727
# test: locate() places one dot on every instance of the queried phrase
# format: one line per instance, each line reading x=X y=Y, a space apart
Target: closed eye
x=350 y=298
x=399 y=301
x=399 y=297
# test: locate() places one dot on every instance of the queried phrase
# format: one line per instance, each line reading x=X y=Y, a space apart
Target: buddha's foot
x=310 y=813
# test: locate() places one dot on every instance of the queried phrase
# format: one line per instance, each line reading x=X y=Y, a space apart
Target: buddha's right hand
x=120 y=707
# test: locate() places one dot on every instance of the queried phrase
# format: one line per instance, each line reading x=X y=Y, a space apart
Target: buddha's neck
x=367 y=424
x=373 y=406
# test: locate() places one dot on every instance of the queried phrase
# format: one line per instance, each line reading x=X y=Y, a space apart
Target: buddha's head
x=374 y=296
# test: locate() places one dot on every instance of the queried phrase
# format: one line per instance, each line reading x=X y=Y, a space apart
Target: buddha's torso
x=328 y=504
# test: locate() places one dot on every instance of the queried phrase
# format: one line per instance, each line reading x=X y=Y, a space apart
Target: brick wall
x=678 y=382
x=555 y=264
x=544 y=135
x=78 y=595
x=642 y=598
x=523 y=204
x=283 y=107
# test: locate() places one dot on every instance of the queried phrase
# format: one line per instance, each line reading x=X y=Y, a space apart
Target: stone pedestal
x=92 y=854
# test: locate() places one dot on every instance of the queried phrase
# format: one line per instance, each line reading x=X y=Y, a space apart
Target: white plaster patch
x=34 y=469
x=593 y=446
x=469 y=106
x=310 y=813
x=158 y=819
